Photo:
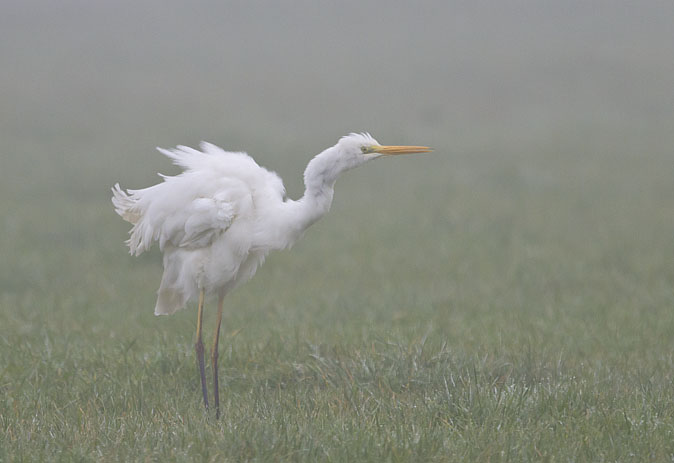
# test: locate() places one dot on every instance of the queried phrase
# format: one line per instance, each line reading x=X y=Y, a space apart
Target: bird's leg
x=214 y=356
x=199 y=347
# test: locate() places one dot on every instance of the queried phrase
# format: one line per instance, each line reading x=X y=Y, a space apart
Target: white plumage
x=205 y=220
x=217 y=220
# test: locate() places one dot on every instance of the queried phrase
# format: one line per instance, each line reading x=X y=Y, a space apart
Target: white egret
x=217 y=220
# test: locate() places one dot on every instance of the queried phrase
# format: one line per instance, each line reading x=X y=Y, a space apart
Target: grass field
x=509 y=297
x=502 y=314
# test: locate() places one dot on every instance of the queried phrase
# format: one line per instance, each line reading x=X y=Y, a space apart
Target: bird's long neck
x=319 y=181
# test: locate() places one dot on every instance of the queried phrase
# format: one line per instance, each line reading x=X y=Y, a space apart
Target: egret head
x=358 y=148
x=349 y=152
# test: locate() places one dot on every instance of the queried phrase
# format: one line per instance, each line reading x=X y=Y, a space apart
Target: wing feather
x=192 y=209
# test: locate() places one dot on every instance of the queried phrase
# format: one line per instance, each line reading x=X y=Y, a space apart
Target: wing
x=201 y=221
x=192 y=209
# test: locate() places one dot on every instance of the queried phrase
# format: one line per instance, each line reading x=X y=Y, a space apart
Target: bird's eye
x=364 y=149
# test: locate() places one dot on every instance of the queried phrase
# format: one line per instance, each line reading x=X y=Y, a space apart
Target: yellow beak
x=401 y=149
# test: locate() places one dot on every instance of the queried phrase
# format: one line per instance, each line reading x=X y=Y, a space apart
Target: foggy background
x=92 y=86
x=573 y=98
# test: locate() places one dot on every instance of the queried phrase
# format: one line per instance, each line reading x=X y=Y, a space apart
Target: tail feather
x=128 y=206
x=174 y=289
x=169 y=300
x=125 y=205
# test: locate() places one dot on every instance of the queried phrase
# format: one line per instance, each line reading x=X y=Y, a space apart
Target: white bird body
x=209 y=222
x=217 y=220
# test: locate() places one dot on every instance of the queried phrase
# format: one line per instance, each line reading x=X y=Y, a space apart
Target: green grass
x=473 y=309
